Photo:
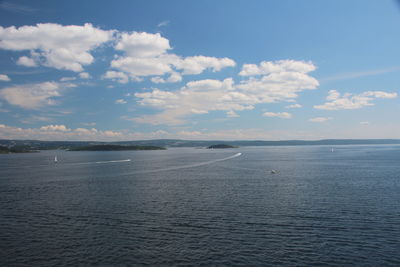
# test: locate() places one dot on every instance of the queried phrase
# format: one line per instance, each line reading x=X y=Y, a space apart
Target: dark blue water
x=202 y=207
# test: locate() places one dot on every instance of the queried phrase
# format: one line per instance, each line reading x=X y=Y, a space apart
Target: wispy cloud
x=34 y=119
x=320 y=119
x=17 y=8
x=163 y=23
x=358 y=74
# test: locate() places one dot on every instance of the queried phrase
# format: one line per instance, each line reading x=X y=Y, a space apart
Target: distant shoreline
x=115 y=148
x=34 y=145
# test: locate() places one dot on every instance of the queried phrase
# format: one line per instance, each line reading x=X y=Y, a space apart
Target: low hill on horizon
x=47 y=145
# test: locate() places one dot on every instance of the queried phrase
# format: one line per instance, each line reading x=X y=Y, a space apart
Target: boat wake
x=102 y=162
x=190 y=165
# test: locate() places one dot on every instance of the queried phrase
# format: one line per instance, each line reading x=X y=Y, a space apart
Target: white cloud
x=146 y=66
x=352 y=101
x=84 y=75
x=51 y=127
x=364 y=122
x=197 y=64
x=232 y=114
x=320 y=119
x=32 y=96
x=277 y=87
x=65 y=79
x=143 y=44
x=62 y=132
x=199 y=97
x=282 y=115
x=4 y=78
x=268 y=67
x=92 y=134
x=54 y=45
x=120 y=101
x=26 y=61
x=116 y=76
x=173 y=78
x=146 y=54
x=294 y=106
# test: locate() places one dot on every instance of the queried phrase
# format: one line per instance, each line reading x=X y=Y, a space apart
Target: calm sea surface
x=192 y=206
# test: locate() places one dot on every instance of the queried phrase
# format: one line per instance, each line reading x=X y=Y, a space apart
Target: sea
x=248 y=206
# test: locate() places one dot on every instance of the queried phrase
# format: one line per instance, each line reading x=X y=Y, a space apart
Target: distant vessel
x=332 y=149
x=55 y=159
x=274 y=171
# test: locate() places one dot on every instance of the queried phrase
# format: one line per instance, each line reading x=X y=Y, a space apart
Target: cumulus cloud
x=143 y=44
x=61 y=128
x=4 y=78
x=197 y=64
x=66 y=79
x=268 y=67
x=320 y=119
x=232 y=114
x=120 y=101
x=69 y=48
x=116 y=76
x=54 y=45
x=32 y=96
x=84 y=75
x=282 y=115
x=62 y=132
x=173 y=78
x=294 y=106
x=203 y=96
x=147 y=54
x=59 y=132
x=336 y=101
x=197 y=97
x=26 y=61
x=136 y=66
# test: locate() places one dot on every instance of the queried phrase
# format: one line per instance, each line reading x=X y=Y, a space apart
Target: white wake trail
x=99 y=162
x=111 y=161
x=191 y=165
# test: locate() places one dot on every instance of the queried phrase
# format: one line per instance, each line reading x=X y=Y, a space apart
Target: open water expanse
x=187 y=206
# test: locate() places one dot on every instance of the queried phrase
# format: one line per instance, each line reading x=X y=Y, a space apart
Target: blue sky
x=270 y=70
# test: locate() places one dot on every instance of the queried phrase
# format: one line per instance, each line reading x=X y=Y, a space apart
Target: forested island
x=6 y=150
x=115 y=148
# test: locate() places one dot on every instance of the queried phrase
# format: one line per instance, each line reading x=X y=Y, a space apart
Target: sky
x=200 y=70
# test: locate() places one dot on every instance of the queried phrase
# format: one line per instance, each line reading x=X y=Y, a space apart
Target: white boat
x=55 y=159
x=274 y=171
